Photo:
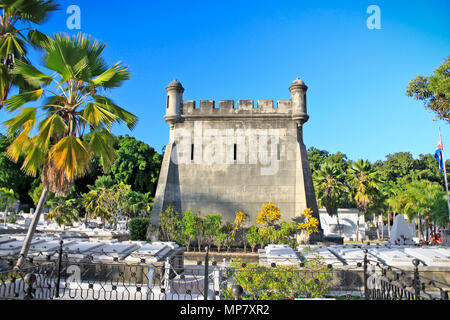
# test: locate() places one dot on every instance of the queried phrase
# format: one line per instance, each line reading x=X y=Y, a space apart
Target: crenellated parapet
x=208 y=108
x=179 y=110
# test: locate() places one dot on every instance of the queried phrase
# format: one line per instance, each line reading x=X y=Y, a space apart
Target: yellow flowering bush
x=239 y=219
x=312 y=224
x=269 y=215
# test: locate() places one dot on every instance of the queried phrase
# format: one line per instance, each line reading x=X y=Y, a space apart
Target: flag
x=438 y=154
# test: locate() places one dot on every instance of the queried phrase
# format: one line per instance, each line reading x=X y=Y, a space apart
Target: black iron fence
x=58 y=277
x=384 y=282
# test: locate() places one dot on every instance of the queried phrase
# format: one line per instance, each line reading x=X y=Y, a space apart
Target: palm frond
x=123 y=115
x=31 y=74
x=71 y=154
x=19 y=100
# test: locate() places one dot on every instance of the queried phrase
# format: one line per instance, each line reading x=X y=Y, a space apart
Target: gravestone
x=401 y=233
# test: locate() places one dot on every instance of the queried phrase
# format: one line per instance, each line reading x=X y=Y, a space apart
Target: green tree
x=419 y=198
x=11 y=176
x=188 y=228
x=137 y=164
x=169 y=223
x=212 y=226
x=378 y=208
x=138 y=228
x=330 y=189
x=253 y=237
x=316 y=157
x=7 y=200
x=15 y=16
x=364 y=180
x=79 y=75
x=64 y=211
x=226 y=235
x=397 y=165
x=434 y=91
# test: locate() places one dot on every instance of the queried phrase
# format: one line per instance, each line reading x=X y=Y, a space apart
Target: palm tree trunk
x=419 y=227
x=357 y=227
x=32 y=229
x=338 y=224
x=6 y=213
x=377 y=221
x=86 y=219
x=389 y=224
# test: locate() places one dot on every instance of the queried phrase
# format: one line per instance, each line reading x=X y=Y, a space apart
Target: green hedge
x=138 y=228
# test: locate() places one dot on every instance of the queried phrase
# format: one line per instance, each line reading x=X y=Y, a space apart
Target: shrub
x=138 y=228
x=253 y=237
x=212 y=225
x=188 y=228
x=280 y=283
x=12 y=218
x=269 y=215
x=311 y=225
x=170 y=223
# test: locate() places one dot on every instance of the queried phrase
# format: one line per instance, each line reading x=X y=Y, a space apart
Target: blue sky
x=238 y=50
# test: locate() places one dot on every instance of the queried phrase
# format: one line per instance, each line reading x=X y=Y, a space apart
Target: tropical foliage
x=72 y=105
x=434 y=91
x=363 y=180
x=16 y=18
x=280 y=282
x=330 y=188
x=7 y=201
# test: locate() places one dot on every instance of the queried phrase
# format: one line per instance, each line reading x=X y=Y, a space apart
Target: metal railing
x=58 y=277
x=384 y=282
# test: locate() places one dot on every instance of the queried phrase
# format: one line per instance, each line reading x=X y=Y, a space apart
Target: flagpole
x=445 y=174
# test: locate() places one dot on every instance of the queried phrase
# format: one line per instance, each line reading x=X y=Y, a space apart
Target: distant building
x=347 y=220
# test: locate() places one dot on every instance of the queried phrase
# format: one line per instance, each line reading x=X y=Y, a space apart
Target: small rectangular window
x=278 y=152
x=167 y=106
x=235 y=152
x=192 y=152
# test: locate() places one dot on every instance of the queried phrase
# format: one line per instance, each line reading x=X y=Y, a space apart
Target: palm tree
x=420 y=198
x=74 y=104
x=329 y=189
x=94 y=200
x=377 y=209
x=363 y=180
x=16 y=14
x=64 y=211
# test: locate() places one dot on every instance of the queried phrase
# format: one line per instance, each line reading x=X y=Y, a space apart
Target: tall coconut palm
x=363 y=180
x=74 y=104
x=329 y=189
x=18 y=16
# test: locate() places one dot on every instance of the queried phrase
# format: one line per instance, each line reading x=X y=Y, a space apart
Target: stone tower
x=222 y=158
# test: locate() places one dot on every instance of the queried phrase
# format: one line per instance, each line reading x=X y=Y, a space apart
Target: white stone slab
x=81 y=249
x=151 y=252
x=392 y=256
x=431 y=256
x=350 y=254
x=281 y=254
x=114 y=250
x=14 y=247
x=314 y=252
x=5 y=239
